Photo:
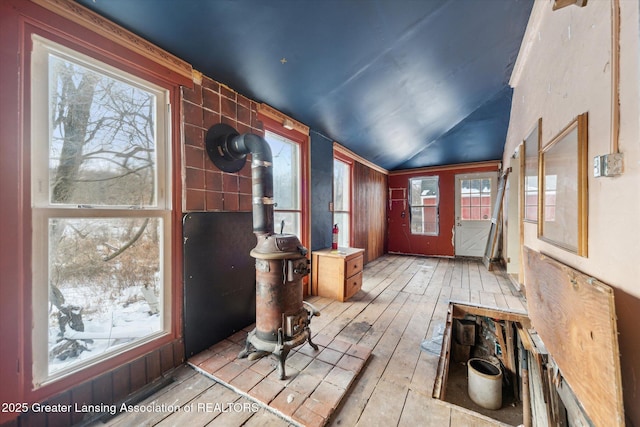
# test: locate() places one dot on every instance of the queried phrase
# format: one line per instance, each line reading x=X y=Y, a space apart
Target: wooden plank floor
x=403 y=301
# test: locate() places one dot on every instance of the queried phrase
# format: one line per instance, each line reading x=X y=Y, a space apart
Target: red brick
x=359 y=351
x=266 y=390
x=298 y=360
x=193 y=95
x=318 y=368
x=246 y=380
x=321 y=339
x=211 y=100
x=339 y=345
x=244 y=101
x=194 y=179
x=264 y=366
x=195 y=200
x=328 y=394
x=213 y=364
x=228 y=108
x=304 y=384
x=340 y=377
x=288 y=401
x=193 y=157
x=246 y=203
x=244 y=115
x=226 y=92
x=192 y=113
x=228 y=372
x=214 y=201
x=350 y=363
x=210 y=84
x=201 y=357
x=213 y=181
x=308 y=418
x=193 y=135
x=330 y=356
x=321 y=408
x=210 y=118
x=230 y=183
x=231 y=202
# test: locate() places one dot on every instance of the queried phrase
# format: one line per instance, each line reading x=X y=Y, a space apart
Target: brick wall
x=206 y=188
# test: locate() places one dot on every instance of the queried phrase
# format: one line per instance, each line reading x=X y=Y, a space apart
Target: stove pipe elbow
x=228 y=151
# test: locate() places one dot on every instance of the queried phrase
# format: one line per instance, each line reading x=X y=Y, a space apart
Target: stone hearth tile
x=213 y=364
x=359 y=351
x=321 y=408
x=330 y=356
x=239 y=337
x=340 y=377
x=266 y=390
x=287 y=401
x=298 y=361
x=229 y=371
x=310 y=351
x=201 y=357
x=321 y=339
x=339 y=345
x=290 y=373
x=304 y=384
x=221 y=346
x=264 y=366
x=318 y=368
x=247 y=380
x=308 y=418
x=350 y=363
x=231 y=352
x=329 y=394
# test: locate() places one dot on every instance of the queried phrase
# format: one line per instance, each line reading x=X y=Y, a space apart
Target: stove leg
x=247 y=346
x=282 y=357
x=311 y=343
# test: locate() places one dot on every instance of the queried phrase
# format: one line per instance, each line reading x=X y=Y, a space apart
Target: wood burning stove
x=282 y=316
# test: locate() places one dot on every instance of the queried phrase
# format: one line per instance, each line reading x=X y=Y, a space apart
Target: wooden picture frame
x=531 y=172
x=562 y=201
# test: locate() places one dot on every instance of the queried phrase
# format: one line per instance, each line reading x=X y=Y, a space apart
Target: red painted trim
x=19 y=19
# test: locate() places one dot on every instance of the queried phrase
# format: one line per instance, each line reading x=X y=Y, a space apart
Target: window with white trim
x=424 y=201
x=287 y=176
x=342 y=200
x=101 y=210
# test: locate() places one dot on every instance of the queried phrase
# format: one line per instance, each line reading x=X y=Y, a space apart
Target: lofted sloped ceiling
x=402 y=83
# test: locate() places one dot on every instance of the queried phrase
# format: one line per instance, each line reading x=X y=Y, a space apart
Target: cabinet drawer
x=352 y=285
x=353 y=266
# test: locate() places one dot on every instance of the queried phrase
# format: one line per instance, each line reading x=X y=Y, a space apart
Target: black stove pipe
x=228 y=150
x=261 y=179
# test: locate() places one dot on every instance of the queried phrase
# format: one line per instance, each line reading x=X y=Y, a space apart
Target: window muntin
x=424 y=201
x=342 y=200
x=286 y=183
x=101 y=211
x=475 y=199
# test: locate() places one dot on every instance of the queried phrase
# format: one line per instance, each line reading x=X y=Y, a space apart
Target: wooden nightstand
x=336 y=274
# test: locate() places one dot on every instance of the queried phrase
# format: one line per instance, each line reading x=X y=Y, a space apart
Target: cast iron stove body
x=282 y=316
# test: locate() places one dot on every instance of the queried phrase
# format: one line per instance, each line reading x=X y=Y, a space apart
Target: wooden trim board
x=574 y=315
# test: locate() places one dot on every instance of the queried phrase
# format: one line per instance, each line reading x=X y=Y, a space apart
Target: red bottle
x=334 y=243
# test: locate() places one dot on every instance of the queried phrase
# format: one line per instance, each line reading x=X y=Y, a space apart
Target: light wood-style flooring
x=403 y=301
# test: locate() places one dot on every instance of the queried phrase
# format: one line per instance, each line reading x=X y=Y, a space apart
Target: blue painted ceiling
x=402 y=83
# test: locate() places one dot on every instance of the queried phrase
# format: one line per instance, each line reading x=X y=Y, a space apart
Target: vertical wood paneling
x=369 y=220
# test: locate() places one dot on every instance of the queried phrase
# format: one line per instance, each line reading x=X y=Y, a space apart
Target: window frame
x=302 y=140
x=435 y=178
x=42 y=209
x=337 y=157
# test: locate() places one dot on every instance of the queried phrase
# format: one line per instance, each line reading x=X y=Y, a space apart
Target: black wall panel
x=219 y=277
x=321 y=191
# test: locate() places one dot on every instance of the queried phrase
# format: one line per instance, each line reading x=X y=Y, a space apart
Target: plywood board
x=574 y=315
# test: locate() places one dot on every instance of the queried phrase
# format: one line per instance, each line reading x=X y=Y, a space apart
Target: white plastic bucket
x=485 y=383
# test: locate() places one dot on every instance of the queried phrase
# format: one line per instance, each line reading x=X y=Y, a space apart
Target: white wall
x=563 y=70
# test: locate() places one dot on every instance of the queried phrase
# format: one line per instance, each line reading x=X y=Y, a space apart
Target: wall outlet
x=607 y=165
